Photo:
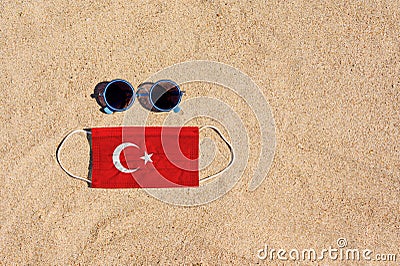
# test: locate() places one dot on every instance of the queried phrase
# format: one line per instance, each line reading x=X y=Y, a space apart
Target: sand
x=329 y=71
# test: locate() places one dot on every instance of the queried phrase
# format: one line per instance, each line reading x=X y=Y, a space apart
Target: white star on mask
x=147 y=157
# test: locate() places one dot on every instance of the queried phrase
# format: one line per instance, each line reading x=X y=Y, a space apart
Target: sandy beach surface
x=329 y=70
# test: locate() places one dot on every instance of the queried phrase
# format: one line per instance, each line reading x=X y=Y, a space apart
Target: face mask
x=144 y=157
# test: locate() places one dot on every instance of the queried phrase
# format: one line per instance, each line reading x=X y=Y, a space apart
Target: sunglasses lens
x=165 y=95
x=119 y=95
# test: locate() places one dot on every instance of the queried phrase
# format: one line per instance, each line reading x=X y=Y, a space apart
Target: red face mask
x=142 y=157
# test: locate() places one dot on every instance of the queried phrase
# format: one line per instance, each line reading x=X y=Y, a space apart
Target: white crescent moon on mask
x=116 y=155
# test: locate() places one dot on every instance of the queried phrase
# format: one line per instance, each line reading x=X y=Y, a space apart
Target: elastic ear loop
x=230 y=149
x=59 y=151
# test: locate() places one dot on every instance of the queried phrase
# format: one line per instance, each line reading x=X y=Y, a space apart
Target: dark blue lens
x=165 y=95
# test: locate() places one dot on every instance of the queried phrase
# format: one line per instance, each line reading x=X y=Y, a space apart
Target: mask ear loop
x=201 y=181
x=59 y=151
